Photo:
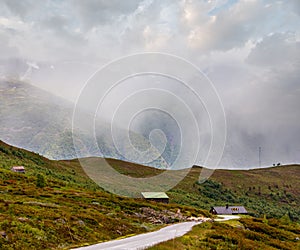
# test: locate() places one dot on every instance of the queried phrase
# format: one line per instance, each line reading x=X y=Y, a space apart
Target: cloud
x=248 y=48
x=19 y=8
x=78 y=26
x=7 y=50
x=295 y=6
x=94 y=13
x=234 y=26
x=276 y=50
x=261 y=96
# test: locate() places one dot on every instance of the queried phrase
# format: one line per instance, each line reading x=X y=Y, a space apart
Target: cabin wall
x=163 y=200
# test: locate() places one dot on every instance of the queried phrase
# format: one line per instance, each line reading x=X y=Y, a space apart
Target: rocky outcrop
x=166 y=216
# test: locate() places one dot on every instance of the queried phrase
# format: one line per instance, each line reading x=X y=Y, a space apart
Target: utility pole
x=259 y=156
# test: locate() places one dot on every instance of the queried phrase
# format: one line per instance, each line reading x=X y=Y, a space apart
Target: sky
x=249 y=50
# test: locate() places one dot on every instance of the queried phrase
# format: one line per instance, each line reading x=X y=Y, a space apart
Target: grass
x=54 y=205
x=261 y=191
x=245 y=233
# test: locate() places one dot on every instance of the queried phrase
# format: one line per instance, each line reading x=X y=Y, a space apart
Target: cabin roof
x=230 y=210
x=18 y=168
x=155 y=195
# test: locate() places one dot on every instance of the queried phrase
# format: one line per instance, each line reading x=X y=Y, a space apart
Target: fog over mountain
x=248 y=49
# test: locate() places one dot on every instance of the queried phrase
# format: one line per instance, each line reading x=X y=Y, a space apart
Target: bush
x=40 y=181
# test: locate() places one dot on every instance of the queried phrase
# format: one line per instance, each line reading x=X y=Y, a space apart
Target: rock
x=166 y=216
x=23 y=219
x=42 y=204
x=165 y=219
x=60 y=220
x=138 y=215
x=81 y=223
x=3 y=234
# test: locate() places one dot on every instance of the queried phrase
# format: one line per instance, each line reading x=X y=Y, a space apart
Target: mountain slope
x=38 y=121
x=70 y=210
x=34 y=119
x=54 y=205
x=274 y=191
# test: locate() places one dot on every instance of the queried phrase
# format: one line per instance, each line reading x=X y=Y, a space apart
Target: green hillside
x=55 y=206
x=273 y=192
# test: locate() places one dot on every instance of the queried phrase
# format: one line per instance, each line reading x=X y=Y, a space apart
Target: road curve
x=143 y=241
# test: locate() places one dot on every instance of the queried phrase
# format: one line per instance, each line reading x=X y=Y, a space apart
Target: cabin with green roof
x=156 y=196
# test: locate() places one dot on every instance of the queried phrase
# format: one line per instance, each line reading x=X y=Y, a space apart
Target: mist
x=248 y=50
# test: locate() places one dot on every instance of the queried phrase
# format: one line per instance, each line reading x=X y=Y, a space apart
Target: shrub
x=40 y=181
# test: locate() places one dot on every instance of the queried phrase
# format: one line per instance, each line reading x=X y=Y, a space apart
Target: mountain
x=38 y=121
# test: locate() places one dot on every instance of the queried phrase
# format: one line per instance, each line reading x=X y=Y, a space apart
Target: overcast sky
x=249 y=49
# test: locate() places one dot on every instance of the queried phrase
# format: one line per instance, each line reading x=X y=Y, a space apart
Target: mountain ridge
x=36 y=120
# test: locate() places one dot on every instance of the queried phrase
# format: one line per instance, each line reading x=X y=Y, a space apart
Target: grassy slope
x=72 y=210
x=69 y=211
x=273 y=192
x=246 y=233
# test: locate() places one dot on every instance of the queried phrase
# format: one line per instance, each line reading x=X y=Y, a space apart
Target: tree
x=286 y=219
